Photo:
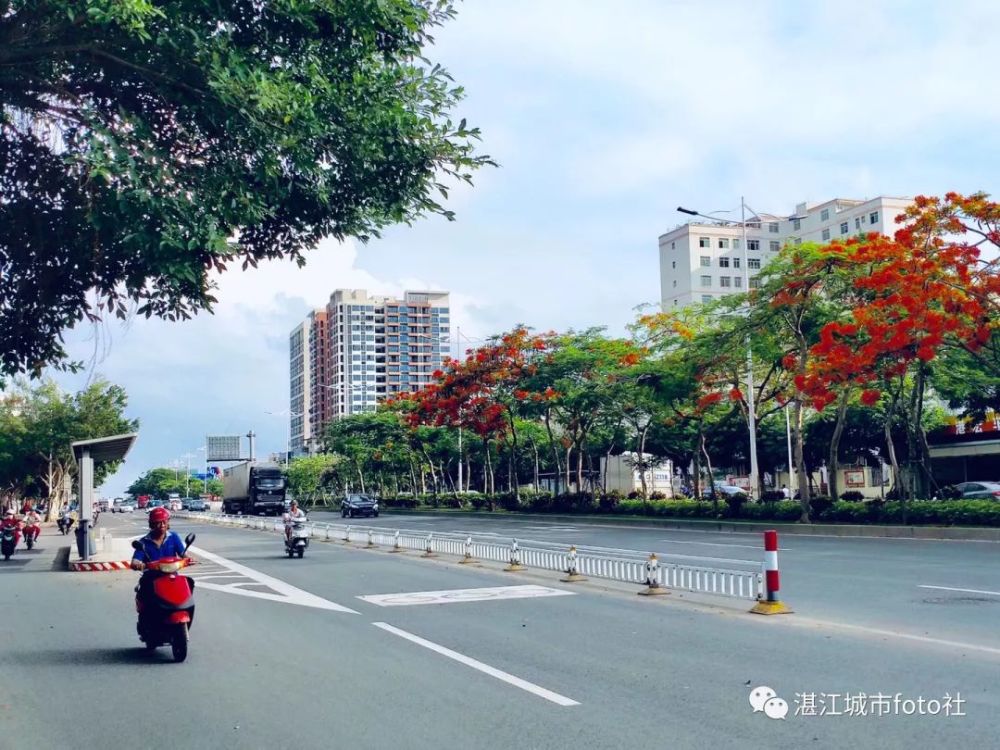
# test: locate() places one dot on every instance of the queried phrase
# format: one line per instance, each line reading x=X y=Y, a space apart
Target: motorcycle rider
x=10 y=521
x=294 y=514
x=32 y=524
x=159 y=542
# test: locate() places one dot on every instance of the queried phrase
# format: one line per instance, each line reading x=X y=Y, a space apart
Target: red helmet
x=159 y=514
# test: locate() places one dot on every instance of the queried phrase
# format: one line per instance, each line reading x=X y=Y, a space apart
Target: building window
x=753 y=264
x=772 y=227
x=706 y=262
x=824 y=215
x=798 y=241
x=873 y=217
x=673 y=264
x=775 y=246
x=706 y=298
x=753 y=224
x=704 y=242
x=736 y=244
x=673 y=245
x=723 y=243
x=754 y=282
x=724 y=281
x=737 y=282
x=826 y=234
x=844 y=227
x=753 y=245
x=723 y=262
x=736 y=262
x=706 y=281
x=675 y=282
x=796 y=224
x=858 y=221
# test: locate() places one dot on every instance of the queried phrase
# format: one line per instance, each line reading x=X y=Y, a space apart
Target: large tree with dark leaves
x=146 y=144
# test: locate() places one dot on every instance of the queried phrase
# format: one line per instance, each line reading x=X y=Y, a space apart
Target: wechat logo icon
x=764 y=699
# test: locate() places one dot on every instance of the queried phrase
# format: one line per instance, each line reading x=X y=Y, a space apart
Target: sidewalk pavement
x=112 y=553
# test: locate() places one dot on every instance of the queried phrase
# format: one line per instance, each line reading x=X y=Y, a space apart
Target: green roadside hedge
x=823 y=510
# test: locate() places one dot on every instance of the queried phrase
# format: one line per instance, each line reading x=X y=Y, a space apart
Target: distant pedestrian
x=785 y=491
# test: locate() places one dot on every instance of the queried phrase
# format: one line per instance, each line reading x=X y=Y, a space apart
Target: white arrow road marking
x=287 y=594
x=964 y=591
x=468 y=661
x=463 y=595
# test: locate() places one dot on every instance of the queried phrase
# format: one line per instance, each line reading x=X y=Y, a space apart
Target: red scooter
x=165 y=603
x=31 y=535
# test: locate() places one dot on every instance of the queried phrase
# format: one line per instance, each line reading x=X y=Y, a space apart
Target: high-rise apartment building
x=300 y=387
x=702 y=260
x=362 y=350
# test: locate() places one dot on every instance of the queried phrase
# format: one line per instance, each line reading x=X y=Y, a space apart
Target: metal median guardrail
x=577 y=562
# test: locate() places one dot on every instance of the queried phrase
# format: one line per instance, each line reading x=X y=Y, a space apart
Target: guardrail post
x=347 y=534
x=772 y=584
x=468 y=553
x=515 y=558
x=395 y=542
x=429 y=548
x=653 y=587
x=371 y=543
x=572 y=573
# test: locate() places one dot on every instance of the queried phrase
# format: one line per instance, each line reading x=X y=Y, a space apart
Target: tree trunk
x=361 y=477
x=642 y=461
x=892 y=456
x=708 y=464
x=556 y=468
x=569 y=456
x=798 y=455
x=838 y=430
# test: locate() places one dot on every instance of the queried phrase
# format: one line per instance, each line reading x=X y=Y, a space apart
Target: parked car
x=197 y=505
x=973 y=491
x=153 y=504
x=724 y=490
x=122 y=506
x=359 y=505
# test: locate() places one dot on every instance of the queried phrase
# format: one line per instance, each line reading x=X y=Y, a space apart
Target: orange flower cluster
x=919 y=291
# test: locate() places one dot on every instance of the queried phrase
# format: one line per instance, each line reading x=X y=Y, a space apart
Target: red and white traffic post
x=769 y=603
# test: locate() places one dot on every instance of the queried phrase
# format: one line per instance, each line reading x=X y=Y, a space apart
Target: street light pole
x=751 y=413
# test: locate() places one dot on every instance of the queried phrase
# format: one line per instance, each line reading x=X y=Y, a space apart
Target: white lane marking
x=287 y=593
x=721 y=544
x=463 y=595
x=964 y=591
x=485 y=668
x=807 y=622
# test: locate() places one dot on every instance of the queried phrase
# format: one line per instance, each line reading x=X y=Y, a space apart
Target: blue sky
x=604 y=117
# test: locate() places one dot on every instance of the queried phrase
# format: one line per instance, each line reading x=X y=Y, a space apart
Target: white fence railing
x=627 y=566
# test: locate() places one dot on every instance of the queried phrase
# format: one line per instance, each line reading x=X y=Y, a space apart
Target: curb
x=97 y=567
x=957 y=533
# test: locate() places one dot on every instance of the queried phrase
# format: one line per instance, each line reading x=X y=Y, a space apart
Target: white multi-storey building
x=361 y=350
x=704 y=259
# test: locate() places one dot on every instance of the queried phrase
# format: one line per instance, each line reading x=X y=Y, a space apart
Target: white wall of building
x=621 y=475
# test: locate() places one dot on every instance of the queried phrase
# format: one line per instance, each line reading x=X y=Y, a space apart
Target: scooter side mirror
x=136 y=544
x=189 y=539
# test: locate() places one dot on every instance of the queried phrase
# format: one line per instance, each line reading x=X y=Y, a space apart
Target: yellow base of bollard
x=770 y=608
x=573 y=578
x=467 y=561
x=654 y=591
x=513 y=568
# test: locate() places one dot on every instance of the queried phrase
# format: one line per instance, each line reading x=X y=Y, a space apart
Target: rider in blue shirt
x=160 y=542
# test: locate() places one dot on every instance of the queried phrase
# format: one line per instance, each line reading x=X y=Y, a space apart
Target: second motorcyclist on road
x=32 y=523
x=294 y=514
x=159 y=542
x=10 y=521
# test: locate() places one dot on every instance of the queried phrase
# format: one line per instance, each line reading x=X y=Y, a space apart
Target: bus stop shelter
x=87 y=454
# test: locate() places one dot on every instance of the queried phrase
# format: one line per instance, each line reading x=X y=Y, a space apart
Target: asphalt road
x=285 y=654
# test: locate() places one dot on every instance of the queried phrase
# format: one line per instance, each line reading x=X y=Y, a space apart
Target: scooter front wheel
x=179 y=643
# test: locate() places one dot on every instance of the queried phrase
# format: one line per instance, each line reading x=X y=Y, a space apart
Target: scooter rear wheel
x=300 y=552
x=179 y=643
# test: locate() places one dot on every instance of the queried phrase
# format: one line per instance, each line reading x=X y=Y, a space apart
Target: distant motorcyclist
x=159 y=542
x=66 y=520
x=294 y=514
x=32 y=525
x=10 y=522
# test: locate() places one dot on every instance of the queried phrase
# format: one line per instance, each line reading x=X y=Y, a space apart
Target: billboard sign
x=223 y=447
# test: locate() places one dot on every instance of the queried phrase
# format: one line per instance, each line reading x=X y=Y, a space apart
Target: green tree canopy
x=145 y=145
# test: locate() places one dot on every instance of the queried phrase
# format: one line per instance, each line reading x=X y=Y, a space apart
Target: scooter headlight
x=171 y=567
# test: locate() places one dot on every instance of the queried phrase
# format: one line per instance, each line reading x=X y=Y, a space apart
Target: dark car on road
x=359 y=505
x=197 y=505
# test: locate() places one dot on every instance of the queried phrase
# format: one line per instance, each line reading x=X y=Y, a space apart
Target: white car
x=122 y=508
